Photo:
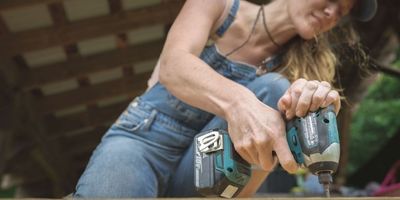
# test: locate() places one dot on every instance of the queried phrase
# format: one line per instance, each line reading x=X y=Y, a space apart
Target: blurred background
x=68 y=68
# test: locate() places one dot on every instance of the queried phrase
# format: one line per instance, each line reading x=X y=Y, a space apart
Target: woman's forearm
x=194 y=82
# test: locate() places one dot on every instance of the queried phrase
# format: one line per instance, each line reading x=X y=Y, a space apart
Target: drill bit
x=327 y=191
x=325 y=178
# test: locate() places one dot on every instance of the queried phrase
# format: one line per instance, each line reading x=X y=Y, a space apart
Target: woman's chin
x=308 y=35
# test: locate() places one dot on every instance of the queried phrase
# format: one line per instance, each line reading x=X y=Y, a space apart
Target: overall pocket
x=133 y=118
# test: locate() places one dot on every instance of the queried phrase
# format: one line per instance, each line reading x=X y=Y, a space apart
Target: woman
x=266 y=63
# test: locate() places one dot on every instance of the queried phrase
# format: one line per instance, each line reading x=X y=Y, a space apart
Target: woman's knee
x=118 y=168
x=269 y=88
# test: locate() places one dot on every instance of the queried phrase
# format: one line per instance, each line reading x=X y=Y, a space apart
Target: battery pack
x=219 y=170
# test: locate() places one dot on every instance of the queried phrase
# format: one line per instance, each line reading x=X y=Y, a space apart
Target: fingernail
x=294 y=167
x=299 y=114
x=314 y=108
x=288 y=115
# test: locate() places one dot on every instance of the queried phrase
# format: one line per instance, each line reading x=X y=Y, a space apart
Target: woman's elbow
x=171 y=70
x=165 y=74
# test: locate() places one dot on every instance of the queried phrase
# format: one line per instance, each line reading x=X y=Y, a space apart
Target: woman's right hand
x=257 y=130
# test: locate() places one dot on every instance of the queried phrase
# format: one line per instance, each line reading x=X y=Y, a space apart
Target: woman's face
x=311 y=17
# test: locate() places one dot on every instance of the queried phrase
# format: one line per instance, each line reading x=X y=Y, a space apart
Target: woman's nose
x=331 y=11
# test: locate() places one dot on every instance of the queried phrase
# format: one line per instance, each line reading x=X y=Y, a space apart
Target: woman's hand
x=304 y=96
x=256 y=131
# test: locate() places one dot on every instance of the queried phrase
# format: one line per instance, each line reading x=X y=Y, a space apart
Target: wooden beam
x=3 y=27
x=115 y=6
x=13 y=4
x=90 y=94
x=81 y=66
x=89 y=28
x=58 y=13
x=92 y=118
x=378 y=66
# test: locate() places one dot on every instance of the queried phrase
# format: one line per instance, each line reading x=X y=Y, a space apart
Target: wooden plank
x=112 y=24
x=81 y=66
x=58 y=13
x=115 y=6
x=86 y=95
x=389 y=70
x=13 y=4
x=91 y=118
x=3 y=27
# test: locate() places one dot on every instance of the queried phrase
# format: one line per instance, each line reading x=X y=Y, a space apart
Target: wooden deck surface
x=285 y=198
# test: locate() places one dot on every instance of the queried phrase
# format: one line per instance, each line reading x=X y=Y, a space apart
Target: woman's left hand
x=304 y=96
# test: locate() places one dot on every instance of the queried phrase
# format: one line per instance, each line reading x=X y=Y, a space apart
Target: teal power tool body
x=219 y=170
x=313 y=141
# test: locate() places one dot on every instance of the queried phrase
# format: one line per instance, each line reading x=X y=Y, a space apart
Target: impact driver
x=313 y=141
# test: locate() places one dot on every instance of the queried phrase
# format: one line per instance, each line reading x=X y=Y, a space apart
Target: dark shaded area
x=278 y=182
x=377 y=167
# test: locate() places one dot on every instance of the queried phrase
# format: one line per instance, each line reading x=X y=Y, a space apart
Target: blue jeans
x=148 y=153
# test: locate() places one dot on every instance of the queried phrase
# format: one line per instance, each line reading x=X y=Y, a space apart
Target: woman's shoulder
x=210 y=4
x=224 y=10
x=232 y=10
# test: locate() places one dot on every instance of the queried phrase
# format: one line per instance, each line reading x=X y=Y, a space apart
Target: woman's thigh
x=136 y=156
x=119 y=167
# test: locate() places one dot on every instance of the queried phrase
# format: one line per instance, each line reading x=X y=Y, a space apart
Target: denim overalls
x=148 y=151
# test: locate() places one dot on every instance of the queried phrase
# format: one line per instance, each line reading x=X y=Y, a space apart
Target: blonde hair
x=309 y=59
x=318 y=59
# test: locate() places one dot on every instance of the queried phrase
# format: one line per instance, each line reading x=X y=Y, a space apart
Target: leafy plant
x=376 y=120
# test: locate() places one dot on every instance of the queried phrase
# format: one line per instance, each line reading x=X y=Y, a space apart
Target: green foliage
x=376 y=120
x=9 y=193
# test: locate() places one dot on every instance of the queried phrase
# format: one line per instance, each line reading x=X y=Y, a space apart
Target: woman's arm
x=182 y=71
x=255 y=128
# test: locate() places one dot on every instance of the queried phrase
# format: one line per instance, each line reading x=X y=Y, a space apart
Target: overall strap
x=228 y=21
